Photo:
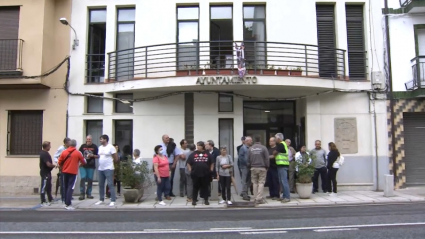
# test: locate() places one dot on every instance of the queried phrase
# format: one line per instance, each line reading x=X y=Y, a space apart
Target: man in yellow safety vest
x=282 y=162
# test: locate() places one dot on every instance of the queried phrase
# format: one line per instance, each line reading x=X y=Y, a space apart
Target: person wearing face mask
x=200 y=165
x=162 y=173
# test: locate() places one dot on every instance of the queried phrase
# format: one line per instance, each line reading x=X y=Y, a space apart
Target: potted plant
x=281 y=72
x=135 y=178
x=184 y=72
x=304 y=178
x=296 y=71
x=250 y=70
x=209 y=69
x=270 y=71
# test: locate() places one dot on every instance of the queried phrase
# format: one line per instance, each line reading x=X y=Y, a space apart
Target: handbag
x=339 y=162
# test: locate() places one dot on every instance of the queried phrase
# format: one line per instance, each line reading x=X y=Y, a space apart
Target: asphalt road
x=376 y=221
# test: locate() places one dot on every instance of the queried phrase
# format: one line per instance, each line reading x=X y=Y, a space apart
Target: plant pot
x=208 y=72
x=252 y=72
x=182 y=73
x=304 y=190
x=296 y=73
x=229 y=72
x=132 y=195
x=282 y=72
x=269 y=72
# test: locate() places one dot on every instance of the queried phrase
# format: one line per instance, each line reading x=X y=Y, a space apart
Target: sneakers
x=162 y=203
x=81 y=197
x=285 y=200
x=45 y=204
x=69 y=207
x=222 y=201
x=229 y=203
x=207 y=203
x=168 y=198
x=99 y=203
x=333 y=194
x=112 y=204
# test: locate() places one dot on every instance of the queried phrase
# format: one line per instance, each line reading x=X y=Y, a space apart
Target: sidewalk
x=148 y=201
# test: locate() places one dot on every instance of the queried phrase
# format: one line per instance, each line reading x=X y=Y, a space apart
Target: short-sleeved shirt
x=182 y=163
x=44 y=158
x=171 y=157
x=106 y=162
x=85 y=151
x=163 y=166
x=200 y=163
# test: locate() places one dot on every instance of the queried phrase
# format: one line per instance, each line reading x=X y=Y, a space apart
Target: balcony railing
x=10 y=55
x=413 y=5
x=95 y=68
x=212 y=58
x=418 y=72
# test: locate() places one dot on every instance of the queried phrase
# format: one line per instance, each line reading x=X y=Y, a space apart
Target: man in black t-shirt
x=46 y=167
x=200 y=166
x=90 y=153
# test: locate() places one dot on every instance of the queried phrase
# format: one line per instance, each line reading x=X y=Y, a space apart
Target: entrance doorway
x=221 y=37
x=266 y=119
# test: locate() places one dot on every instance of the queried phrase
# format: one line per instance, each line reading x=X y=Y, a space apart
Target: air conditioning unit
x=378 y=80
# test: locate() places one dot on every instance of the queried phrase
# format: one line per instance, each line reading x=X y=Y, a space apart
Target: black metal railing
x=418 y=72
x=11 y=54
x=405 y=3
x=95 y=68
x=219 y=57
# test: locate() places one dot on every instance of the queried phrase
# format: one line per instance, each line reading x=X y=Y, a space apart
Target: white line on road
x=257 y=233
x=160 y=230
x=235 y=228
x=182 y=231
x=336 y=230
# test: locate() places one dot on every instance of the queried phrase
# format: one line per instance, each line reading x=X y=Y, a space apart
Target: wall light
x=66 y=23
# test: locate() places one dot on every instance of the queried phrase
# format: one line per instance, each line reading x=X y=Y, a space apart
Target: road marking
x=235 y=228
x=161 y=230
x=182 y=231
x=336 y=230
x=257 y=233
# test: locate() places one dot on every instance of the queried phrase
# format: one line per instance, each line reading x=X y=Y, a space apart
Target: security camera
x=64 y=21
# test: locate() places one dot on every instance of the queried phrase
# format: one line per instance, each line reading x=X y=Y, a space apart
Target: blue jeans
x=107 y=175
x=163 y=188
x=86 y=175
x=283 y=180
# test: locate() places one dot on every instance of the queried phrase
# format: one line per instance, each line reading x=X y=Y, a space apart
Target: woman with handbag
x=224 y=165
x=333 y=167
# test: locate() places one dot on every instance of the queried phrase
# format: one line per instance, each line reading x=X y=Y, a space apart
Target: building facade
x=407 y=110
x=143 y=70
x=32 y=108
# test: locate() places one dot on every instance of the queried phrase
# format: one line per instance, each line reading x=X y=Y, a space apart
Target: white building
x=302 y=59
x=407 y=47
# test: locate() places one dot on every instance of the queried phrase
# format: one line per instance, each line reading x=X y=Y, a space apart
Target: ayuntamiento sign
x=226 y=80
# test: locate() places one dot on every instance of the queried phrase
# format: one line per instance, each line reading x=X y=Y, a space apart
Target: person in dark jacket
x=200 y=166
x=332 y=158
x=215 y=152
x=90 y=153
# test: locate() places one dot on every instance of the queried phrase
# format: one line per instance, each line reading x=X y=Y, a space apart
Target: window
x=96 y=46
x=187 y=36
x=9 y=33
x=125 y=44
x=95 y=129
x=25 y=132
x=225 y=131
x=94 y=104
x=124 y=135
x=356 y=42
x=221 y=37
x=121 y=107
x=225 y=103
x=326 y=40
x=254 y=35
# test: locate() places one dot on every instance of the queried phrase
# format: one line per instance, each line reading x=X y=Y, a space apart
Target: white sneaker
x=45 y=204
x=112 y=204
x=229 y=203
x=99 y=203
x=222 y=201
x=162 y=203
x=69 y=208
x=333 y=195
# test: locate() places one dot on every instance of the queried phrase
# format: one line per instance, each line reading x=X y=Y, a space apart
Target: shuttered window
x=25 y=132
x=356 y=42
x=326 y=40
x=9 y=33
x=189 y=118
x=414 y=138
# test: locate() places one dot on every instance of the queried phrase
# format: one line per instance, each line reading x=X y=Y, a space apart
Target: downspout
x=390 y=94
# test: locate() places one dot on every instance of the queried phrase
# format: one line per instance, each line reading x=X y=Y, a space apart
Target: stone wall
x=21 y=186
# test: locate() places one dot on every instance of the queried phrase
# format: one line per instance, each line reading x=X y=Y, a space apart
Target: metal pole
x=146 y=62
x=390 y=79
x=306 y=62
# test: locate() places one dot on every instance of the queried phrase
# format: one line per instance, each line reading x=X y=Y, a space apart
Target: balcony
x=219 y=58
x=413 y=6
x=11 y=57
x=418 y=72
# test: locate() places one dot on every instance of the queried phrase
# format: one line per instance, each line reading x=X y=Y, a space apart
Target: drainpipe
x=390 y=95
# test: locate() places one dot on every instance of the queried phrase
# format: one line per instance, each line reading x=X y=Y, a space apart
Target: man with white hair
x=282 y=162
x=243 y=166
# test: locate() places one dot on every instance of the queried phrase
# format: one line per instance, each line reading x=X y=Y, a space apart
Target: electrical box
x=378 y=80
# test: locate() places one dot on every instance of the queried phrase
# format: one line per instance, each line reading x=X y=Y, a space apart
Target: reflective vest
x=282 y=159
